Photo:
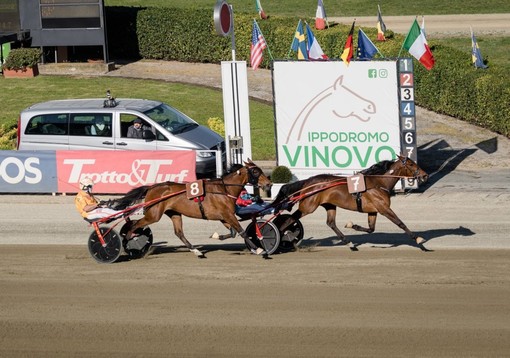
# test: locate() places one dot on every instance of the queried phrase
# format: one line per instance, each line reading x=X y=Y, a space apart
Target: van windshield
x=171 y=119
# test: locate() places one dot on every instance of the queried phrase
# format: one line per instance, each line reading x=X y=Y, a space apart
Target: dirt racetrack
x=56 y=302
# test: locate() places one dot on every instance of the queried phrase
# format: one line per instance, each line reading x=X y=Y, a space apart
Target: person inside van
x=136 y=129
x=100 y=128
x=88 y=205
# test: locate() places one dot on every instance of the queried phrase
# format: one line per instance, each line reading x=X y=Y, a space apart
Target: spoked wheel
x=270 y=234
x=292 y=234
x=140 y=242
x=110 y=251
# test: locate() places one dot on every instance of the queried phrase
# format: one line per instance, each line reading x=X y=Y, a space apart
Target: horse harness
x=358 y=195
x=253 y=179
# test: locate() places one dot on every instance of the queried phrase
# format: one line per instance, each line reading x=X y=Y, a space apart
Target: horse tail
x=286 y=191
x=130 y=198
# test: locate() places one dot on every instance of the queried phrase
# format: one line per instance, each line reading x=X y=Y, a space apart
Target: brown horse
x=331 y=191
x=216 y=203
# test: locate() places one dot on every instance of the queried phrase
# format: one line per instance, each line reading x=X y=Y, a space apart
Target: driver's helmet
x=86 y=183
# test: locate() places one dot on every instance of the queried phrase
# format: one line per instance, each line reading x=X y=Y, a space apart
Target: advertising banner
x=111 y=171
x=333 y=118
x=28 y=171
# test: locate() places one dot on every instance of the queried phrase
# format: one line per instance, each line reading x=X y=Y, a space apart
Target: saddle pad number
x=356 y=183
x=195 y=189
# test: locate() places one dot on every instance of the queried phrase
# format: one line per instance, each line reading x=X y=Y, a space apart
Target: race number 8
x=195 y=189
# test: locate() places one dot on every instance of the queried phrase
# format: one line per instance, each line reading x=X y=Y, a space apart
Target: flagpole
x=290 y=50
x=267 y=46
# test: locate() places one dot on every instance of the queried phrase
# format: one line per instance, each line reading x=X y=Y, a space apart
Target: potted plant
x=280 y=176
x=22 y=62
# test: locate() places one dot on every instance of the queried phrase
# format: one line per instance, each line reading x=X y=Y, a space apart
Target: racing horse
x=216 y=203
x=331 y=191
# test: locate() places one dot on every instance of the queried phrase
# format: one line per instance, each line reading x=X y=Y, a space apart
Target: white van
x=92 y=124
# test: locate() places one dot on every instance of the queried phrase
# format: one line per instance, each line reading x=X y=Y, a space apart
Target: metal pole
x=232 y=35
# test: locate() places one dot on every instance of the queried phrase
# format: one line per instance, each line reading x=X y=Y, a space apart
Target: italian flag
x=417 y=46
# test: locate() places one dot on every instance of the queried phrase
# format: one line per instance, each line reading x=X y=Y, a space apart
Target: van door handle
x=122 y=143
x=108 y=143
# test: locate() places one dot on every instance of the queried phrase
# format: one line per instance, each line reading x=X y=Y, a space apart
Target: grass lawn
x=339 y=7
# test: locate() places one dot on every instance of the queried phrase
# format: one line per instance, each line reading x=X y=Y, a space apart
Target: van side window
x=47 y=124
x=91 y=124
x=127 y=121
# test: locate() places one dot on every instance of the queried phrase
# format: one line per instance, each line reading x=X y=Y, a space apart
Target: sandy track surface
x=440 y=25
x=56 y=302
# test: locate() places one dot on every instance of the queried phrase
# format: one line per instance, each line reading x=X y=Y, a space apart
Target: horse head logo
x=344 y=103
x=358 y=107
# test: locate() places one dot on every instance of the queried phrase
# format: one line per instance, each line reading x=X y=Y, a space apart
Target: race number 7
x=356 y=183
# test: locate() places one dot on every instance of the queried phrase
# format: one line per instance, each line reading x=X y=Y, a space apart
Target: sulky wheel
x=270 y=233
x=292 y=234
x=110 y=251
x=139 y=244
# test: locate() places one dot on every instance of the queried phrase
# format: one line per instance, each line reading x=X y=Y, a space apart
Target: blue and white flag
x=476 y=55
x=314 y=49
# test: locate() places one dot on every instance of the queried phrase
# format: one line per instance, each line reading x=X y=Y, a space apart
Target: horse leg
x=149 y=217
x=177 y=222
x=292 y=219
x=331 y=222
x=390 y=214
x=372 y=217
x=234 y=224
x=231 y=234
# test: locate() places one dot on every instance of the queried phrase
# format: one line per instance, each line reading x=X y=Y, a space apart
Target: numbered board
x=407 y=108
x=407 y=114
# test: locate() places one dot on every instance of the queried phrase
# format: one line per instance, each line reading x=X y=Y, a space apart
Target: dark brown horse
x=217 y=202
x=331 y=191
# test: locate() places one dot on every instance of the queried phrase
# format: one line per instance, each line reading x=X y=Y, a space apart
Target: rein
x=295 y=197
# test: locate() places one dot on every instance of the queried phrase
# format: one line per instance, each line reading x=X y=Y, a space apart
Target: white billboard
x=333 y=118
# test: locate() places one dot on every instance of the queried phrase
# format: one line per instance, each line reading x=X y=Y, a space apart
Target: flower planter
x=25 y=73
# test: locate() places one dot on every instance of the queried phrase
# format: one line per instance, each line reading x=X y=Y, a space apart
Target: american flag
x=258 y=44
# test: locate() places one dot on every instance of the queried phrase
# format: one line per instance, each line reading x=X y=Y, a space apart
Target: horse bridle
x=253 y=176
x=416 y=172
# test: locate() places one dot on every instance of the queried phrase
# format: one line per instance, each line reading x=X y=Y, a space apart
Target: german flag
x=347 y=54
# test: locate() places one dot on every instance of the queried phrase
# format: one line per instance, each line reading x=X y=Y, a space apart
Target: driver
x=87 y=205
x=249 y=204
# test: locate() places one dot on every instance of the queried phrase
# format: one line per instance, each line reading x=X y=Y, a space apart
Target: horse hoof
x=197 y=252
x=215 y=236
x=420 y=240
x=349 y=225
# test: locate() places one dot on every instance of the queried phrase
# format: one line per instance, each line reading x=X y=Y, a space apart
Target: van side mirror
x=148 y=135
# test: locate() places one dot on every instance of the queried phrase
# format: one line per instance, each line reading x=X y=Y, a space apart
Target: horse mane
x=285 y=193
x=378 y=168
x=232 y=169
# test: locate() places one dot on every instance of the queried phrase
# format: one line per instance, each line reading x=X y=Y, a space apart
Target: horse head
x=411 y=169
x=256 y=176
x=351 y=103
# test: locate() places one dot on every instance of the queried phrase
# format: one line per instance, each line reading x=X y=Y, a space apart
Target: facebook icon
x=372 y=73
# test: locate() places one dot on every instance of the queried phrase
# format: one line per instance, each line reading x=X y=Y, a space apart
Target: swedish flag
x=299 y=44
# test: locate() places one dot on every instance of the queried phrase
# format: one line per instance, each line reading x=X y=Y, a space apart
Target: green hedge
x=452 y=87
